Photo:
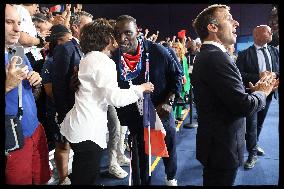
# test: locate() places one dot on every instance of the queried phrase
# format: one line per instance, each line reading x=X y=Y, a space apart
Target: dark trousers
x=219 y=177
x=170 y=162
x=254 y=125
x=140 y=161
x=86 y=162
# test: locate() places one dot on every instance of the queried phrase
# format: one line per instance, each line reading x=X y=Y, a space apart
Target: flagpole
x=147 y=78
x=150 y=156
x=130 y=167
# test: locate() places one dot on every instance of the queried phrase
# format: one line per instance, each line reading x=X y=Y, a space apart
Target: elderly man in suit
x=221 y=101
x=253 y=63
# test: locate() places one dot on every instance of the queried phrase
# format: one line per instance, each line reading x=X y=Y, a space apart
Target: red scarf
x=131 y=60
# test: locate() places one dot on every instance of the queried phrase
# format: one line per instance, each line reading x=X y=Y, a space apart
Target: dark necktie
x=266 y=59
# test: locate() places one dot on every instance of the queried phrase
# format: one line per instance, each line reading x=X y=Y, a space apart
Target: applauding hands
x=266 y=84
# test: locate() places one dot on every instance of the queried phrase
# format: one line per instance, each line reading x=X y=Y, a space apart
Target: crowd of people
x=85 y=78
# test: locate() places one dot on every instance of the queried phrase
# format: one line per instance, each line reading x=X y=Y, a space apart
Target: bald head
x=262 y=35
x=12 y=25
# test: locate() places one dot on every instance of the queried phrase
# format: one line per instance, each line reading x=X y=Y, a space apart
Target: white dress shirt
x=87 y=120
x=220 y=46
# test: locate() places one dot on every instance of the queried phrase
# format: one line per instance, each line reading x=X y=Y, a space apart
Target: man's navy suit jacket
x=65 y=57
x=222 y=105
x=247 y=63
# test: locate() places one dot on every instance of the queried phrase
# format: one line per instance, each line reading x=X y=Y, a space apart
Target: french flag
x=57 y=8
x=155 y=144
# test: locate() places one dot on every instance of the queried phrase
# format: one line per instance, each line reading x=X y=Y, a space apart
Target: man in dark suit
x=254 y=62
x=66 y=56
x=221 y=101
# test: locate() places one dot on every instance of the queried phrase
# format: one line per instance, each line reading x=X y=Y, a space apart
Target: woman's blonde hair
x=180 y=49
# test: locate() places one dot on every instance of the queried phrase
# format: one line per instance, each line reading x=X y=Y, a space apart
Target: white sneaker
x=117 y=171
x=172 y=182
x=66 y=181
x=123 y=161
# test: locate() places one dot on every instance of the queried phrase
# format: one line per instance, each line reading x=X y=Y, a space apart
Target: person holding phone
x=14 y=75
x=30 y=164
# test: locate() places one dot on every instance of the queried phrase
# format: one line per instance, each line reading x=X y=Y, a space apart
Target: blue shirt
x=29 y=121
x=261 y=58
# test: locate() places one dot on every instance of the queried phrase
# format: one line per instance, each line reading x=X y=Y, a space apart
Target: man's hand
x=74 y=81
x=147 y=87
x=46 y=46
x=45 y=33
x=274 y=75
x=174 y=39
x=168 y=39
x=265 y=84
x=276 y=85
x=77 y=8
x=146 y=33
x=165 y=108
x=262 y=74
x=58 y=19
x=14 y=75
x=34 y=78
x=68 y=8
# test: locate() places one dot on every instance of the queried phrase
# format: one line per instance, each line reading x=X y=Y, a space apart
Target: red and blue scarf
x=130 y=65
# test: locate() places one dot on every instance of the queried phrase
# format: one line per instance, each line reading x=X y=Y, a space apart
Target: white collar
x=259 y=47
x=220 y=46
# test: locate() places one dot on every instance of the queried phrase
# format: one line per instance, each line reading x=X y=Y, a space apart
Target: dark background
x=170 y=18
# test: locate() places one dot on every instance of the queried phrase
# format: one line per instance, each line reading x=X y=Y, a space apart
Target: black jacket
x=65 y=57
x=164 y=74
x=222 y=106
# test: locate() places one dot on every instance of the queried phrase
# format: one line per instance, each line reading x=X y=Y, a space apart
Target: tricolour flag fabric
x=157 y=133
x=181 y=34
x=57 y=8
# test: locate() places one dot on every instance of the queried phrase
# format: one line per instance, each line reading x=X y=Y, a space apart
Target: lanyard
x=147 y=74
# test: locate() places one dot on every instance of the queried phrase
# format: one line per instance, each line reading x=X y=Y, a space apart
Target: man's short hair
x=207 y=16
x=39 y=17
x=76 y=17
x=96 y=35
x=124 y=18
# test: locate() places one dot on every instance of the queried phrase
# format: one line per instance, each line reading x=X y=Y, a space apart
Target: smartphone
x=19 y=52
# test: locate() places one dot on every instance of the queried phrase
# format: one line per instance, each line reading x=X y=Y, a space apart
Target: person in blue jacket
x=65 y=57
x=130 y=59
